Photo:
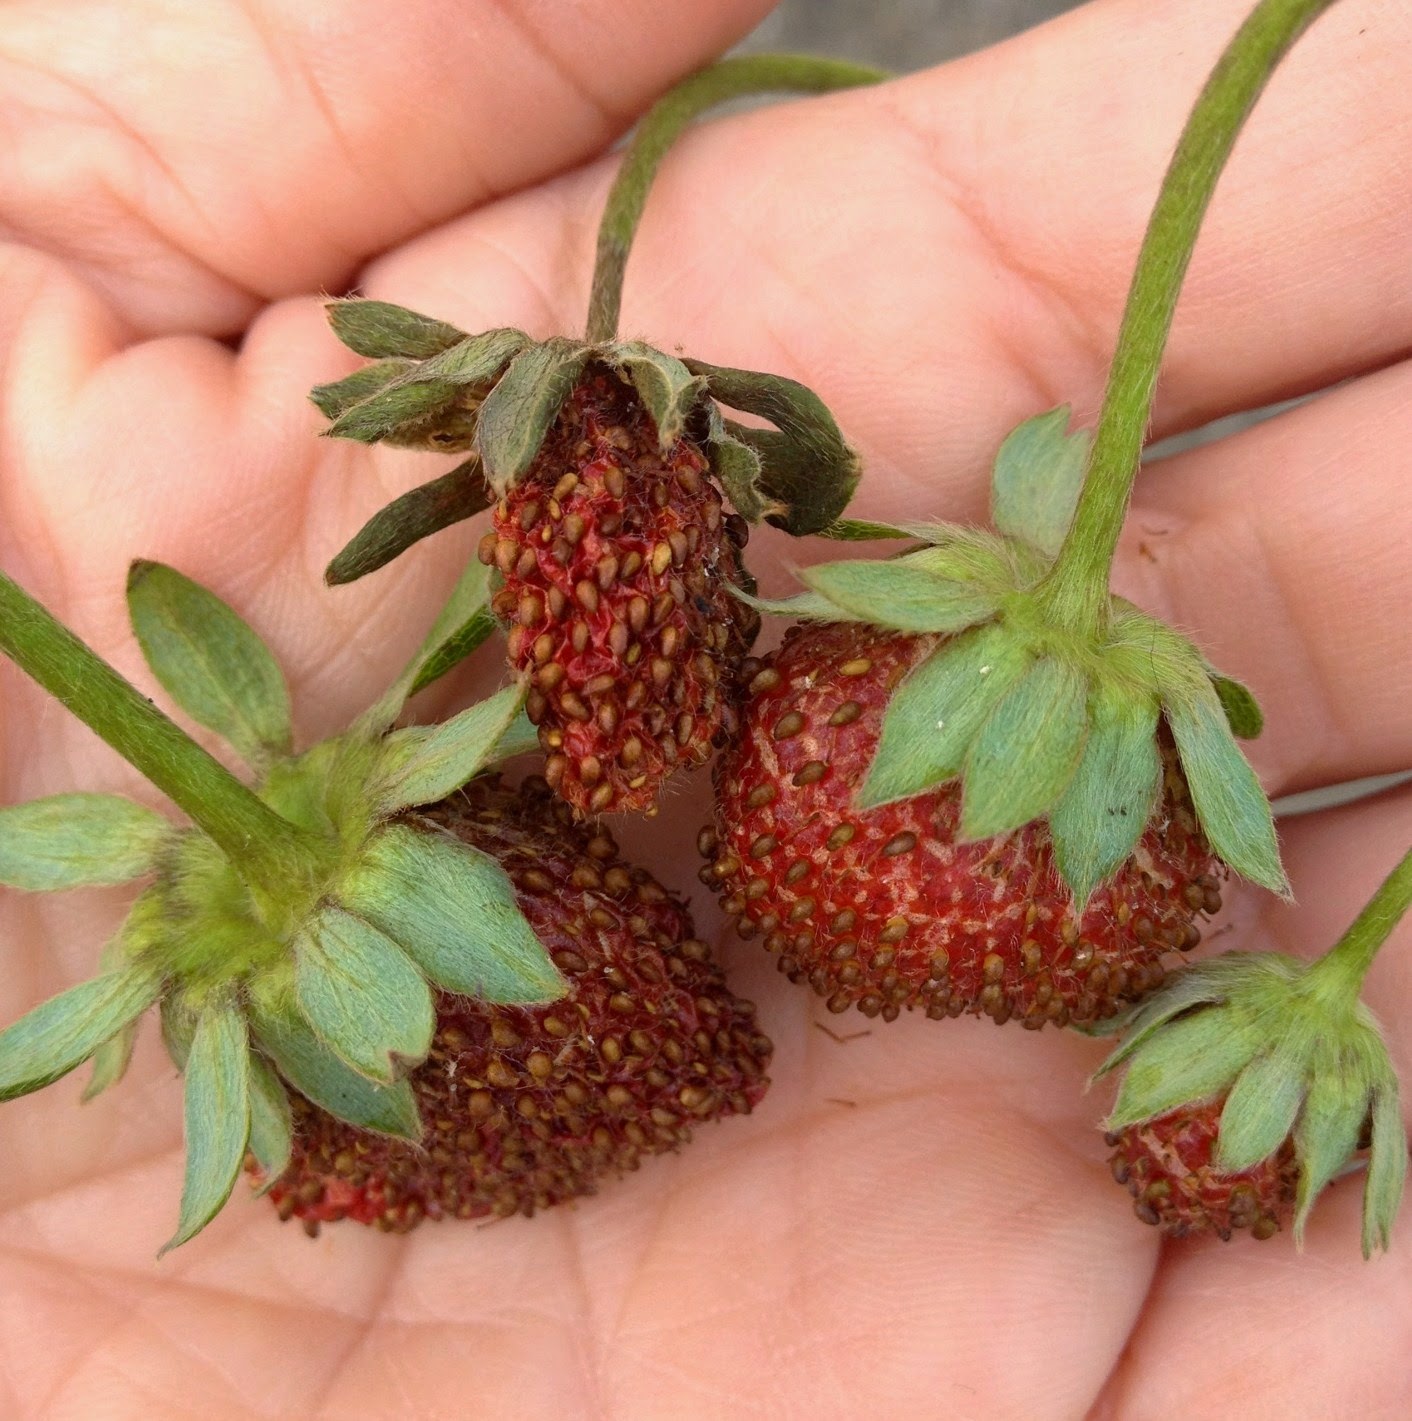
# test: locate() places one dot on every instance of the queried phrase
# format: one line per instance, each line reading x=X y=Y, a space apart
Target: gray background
x=899 y=34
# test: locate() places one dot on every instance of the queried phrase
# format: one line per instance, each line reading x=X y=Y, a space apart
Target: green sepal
x=899 y=594
x=937 y=710
x=520 y=737
x=396 y=405
x=1387 y=1168
x=803 y=606
x=453 y=910
x=417 y=514
x=378 y=329
x=209 y=661
x=1234 y=812
x=1097 y=823
x=141 y=928
x=217 y=1109
x=110 y=1062
x=335 y=399
x=271 y=1123
x=178 y=1027
x=65 y=1031
x=666 y=387
x=461 y=613
x=1025 y=754
x=1192 y=1058
x=736 y=467
x=362 y=995
x=318 y=1075
x=1260 y=1110
x=425 y=763
x=1326 y=1137
x=1243 y=713
x=1035 y=484
x=805 y=465
x=861 y=530
x=79 y=841
x=519 y=412
x=468 y=638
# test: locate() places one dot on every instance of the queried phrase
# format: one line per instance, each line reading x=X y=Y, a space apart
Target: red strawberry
x=1168 y=1165
x=882 y=908
x=618 y=563
x=528 y=1106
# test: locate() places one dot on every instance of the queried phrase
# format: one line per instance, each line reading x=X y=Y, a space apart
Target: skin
x=919 y=1221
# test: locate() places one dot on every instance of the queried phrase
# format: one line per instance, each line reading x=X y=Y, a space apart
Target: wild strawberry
x=1169 y=1166
x=888 y=908
x=526 y=1106
x=619 y=568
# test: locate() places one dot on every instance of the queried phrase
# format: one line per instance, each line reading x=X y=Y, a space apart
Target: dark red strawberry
x=618 y=563
x=525 y=1107
x=1168 y=1165
x=883 y=909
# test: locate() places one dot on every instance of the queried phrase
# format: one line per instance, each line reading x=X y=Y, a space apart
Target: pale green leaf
x=937 y=710
x=1260 y=1110
x=110 y=1061
x=210 y=663
x=1026 y=752
x=1243 y=713
x=453 y=910
x=362 y=994
x=318 y=1075
x=1038 y=474
x=1325 y=1137
x=217 y=1110
x=467 y=639
x=1387 y=1170
x=899 y=594
x=78 y=841
x=271 y=1123
x=668 y=389
x=806 y=606
x=1233 y=810
x=519 y=738
x=519 y=412
x=65 y=1031
x=425 y=763
x=1101 y=816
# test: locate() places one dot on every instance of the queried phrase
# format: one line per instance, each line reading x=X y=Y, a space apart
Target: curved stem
x=1077 y=586
x=730 y=79
x=265 y=847
x=1345 y=964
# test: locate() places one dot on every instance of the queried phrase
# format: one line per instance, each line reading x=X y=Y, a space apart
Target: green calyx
x=1035 y=718
x=1296 y=1057
x=498 y=395
x=323 y=979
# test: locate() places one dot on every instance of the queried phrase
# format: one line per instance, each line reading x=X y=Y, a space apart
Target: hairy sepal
x=271 y=1122
x=902 y=594
x=453 y=910
x=1037 y=477
x=379 y=329
x=666 y=387
x=79 y=841
x=519 y=411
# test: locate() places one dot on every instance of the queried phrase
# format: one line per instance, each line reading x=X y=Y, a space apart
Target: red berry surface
x=1168 y=1166
x=617 y=561
x=883 y=909
x=527 y=1106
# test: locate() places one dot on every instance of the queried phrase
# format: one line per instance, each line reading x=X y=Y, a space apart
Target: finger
x=1263 y=1329
x=192 y=161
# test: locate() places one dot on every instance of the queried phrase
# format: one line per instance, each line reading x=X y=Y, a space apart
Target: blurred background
x=899 y=34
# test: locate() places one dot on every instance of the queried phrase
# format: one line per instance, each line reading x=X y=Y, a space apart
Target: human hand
x=918 y=1221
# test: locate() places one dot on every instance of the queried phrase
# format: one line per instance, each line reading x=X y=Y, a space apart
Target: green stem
x=265 y=847
x=1076 y=589
x=1346 y=963
x=730 y=79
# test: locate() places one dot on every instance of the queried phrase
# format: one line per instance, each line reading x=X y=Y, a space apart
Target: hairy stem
x=730 y=79
x=1346 y=963
x=1077 y=586
x=265 y=847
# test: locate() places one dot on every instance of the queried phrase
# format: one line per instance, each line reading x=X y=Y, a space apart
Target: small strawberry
x=607 y=463
x=1169 y=1167
x=526 y=1106
x=618 y=567
x=1252 y=1079
x=889 y=907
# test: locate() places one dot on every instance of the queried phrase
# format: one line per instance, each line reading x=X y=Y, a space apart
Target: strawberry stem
x=1343 y=967
x=266 y=848
x=1076 y=589
x=730 y=79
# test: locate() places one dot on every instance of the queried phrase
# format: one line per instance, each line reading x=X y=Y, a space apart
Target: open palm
x=918 y=1222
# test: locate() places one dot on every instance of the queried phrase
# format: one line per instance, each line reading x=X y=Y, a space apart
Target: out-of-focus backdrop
x=899 y=34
